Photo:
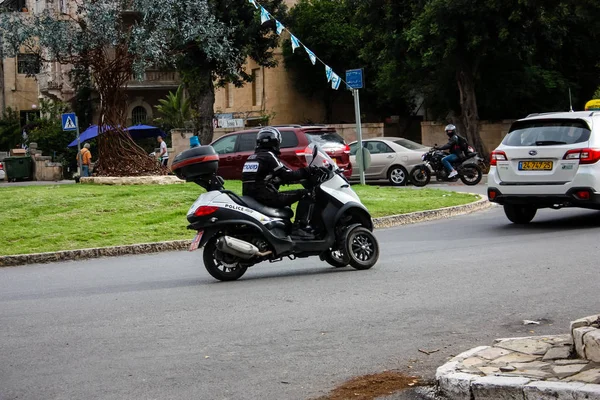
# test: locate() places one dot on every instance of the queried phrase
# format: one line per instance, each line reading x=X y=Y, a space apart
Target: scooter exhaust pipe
x=239 y=248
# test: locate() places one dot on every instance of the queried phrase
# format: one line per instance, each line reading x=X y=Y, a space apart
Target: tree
x=219 y=55
x=516 y=54
x=47 y=132
x=326 y=27
x=175 y=110
x=112 y=41
x=401 y=83
x=10 y=130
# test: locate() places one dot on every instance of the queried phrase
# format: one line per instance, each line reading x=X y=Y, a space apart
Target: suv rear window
x=247 y=141
x=325 y=138
x=547 y=132
x=288 y=139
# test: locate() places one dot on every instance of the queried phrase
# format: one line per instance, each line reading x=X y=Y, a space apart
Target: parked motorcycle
x=239 y=232
x=469 y=170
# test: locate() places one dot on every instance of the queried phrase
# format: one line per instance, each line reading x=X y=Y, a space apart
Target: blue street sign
x=69 y=122
x=354 y=78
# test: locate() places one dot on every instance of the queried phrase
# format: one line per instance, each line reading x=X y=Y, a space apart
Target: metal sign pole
x=79 y=169
x=360 y=157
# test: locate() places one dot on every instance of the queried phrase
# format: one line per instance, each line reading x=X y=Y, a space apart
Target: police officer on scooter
x=263 y=173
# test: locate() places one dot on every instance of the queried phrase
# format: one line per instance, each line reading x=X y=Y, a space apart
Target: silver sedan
x=391 y=159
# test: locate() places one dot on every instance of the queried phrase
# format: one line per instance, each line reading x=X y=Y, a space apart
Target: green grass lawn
x=65 y=217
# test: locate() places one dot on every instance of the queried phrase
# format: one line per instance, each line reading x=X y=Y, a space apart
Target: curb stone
x=489 y=373
x=175 y=245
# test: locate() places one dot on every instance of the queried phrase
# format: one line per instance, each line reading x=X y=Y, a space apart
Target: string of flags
x=266 y=16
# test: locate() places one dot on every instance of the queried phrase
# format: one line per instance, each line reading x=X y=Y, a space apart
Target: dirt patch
x=369 y=387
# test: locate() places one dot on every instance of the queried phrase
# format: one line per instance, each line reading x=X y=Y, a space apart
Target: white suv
x=547 y=161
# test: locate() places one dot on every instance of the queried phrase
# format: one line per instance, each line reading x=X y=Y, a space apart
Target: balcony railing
x=155 y=79
x=49 y=81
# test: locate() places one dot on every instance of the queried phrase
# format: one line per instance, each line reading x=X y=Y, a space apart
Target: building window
x=28 y=64
x=28 y=116
x=14 y=5
x=229 y=95
x=257 y=84
x=139 y=115
x=62 y=7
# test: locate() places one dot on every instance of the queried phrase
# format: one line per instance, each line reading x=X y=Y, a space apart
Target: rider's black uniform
x=258 y=179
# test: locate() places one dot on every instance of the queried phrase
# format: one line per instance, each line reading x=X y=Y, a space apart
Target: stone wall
x=132 y=180
x=46 y=170
x=491 y=133
x=180 y=139
x=348 y=131
x=586 y=337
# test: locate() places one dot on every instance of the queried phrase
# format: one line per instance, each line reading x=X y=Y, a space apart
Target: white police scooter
x=239 y=232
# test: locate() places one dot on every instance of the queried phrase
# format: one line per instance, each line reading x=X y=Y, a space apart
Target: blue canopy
x=136 y=132
x=145 y=131
x=88 y=134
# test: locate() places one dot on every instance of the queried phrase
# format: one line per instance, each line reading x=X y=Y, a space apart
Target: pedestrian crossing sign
x=69 y=122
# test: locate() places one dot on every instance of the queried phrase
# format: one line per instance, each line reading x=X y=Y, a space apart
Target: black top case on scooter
x=197 y=163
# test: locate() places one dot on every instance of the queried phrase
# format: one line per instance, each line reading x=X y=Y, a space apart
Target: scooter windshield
x=321 y=159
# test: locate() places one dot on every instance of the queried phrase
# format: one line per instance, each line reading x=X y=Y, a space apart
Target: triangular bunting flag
x=311 y=55
x=328 y=72
x=264 y=15
x=279 y=26
x=335 y=81
x=253 y=3
x=295 y=43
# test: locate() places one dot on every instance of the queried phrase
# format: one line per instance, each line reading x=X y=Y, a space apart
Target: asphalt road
x=159 y=327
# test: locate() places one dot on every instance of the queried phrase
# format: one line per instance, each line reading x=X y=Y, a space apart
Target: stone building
x=271 y=94
x=22 y=85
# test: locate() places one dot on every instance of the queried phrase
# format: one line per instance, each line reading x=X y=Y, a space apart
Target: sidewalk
x=35 y=183
x=527 y=368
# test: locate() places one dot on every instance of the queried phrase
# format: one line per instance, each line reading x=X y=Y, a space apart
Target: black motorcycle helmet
x=268 y=138
x=450 y=130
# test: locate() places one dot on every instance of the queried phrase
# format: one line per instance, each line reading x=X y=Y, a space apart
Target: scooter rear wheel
x=220 y=269
x=336 y=258
x=362 y=248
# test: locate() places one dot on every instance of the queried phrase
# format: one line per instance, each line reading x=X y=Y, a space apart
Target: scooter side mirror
x=314 y=154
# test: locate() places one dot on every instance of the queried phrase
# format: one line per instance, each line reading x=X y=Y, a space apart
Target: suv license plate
x=535 y=165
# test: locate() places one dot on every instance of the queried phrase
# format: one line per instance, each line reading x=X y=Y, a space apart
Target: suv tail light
x=303 y=152
x=1 y=166
x=585 y=156
x=347 y=149
x=497 y=156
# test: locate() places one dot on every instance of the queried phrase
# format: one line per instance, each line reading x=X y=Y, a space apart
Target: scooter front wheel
x=362 y=248
x=221 y=266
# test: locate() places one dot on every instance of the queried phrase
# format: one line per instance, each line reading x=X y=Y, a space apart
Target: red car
x=234 y=148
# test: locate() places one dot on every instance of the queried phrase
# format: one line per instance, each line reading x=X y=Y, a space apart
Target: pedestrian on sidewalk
x=86 y=159
x=163 y=153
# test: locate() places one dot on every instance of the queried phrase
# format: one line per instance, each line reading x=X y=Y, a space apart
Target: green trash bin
x=18 y=168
